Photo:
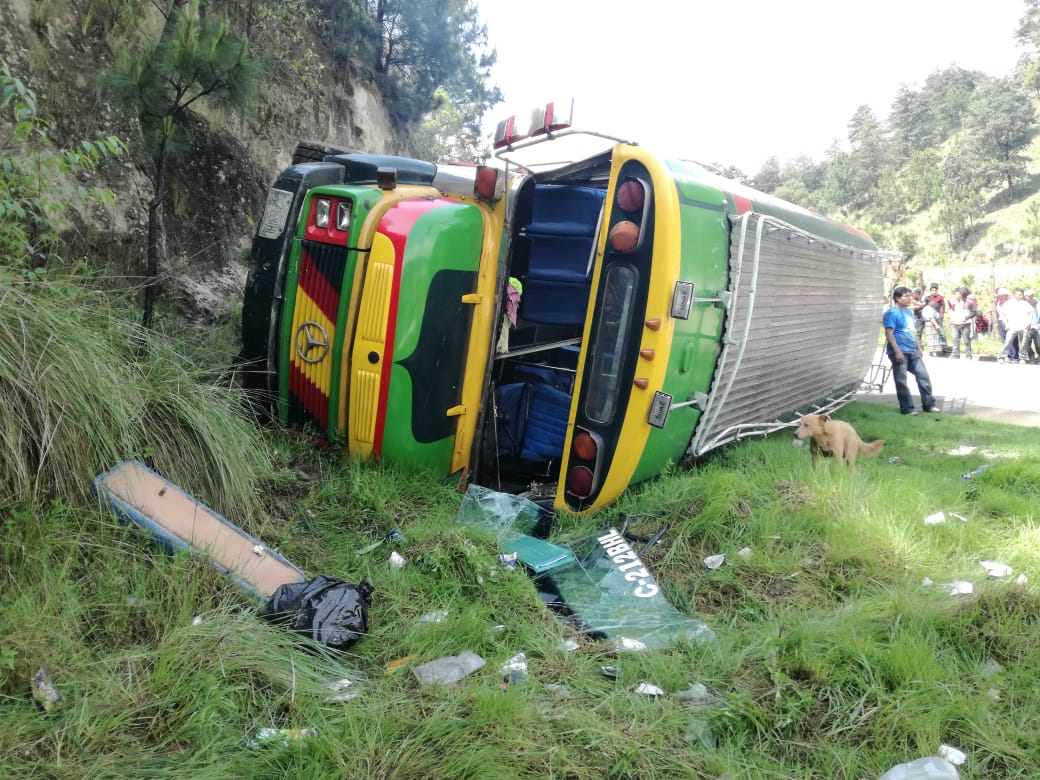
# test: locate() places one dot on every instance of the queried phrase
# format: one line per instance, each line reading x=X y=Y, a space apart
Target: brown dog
x=834 y=437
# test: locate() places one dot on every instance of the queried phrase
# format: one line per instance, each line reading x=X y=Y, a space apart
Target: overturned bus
x=577 y=327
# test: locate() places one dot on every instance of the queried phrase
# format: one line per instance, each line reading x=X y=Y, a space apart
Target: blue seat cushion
x=547 y=418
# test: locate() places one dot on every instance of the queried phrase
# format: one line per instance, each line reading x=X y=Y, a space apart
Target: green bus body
x=662 y=312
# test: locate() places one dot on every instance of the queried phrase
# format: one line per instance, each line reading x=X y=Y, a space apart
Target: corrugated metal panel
x=800 y=332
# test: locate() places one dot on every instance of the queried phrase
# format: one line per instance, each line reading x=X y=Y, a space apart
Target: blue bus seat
x=547 y=418
x=561 y=237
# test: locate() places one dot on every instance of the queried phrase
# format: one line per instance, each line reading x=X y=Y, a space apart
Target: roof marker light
x=386 y=178
x=506 y=133
x=553 y=116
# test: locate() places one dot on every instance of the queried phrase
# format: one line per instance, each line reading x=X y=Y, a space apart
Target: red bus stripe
x=396 y=225
x=741 y=203
x=313 y=282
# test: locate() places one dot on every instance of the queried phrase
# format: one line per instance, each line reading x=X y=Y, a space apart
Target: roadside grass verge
x=833 y=658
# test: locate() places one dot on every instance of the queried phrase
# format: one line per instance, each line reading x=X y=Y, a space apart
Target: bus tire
x=316 y=151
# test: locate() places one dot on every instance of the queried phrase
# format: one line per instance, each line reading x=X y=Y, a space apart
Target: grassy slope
x=832 y=659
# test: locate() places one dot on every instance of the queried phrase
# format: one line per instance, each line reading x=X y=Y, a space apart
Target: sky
x=735 y=82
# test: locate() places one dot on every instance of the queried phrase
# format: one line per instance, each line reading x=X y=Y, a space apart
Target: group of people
x=914 y=325
x=1019 y=326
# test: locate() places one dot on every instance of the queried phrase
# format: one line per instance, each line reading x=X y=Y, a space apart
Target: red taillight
x=631 y=196
x=579 y=482
x=624 y=236
x=585 y=446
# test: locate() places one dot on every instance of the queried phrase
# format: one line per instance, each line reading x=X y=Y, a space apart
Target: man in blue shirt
x=901 y=337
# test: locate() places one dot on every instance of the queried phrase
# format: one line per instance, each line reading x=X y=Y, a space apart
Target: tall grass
x=84 y=388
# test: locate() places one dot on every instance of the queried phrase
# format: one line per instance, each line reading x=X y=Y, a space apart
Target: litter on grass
x=599 y=583
x=696 y=695
x=44 y=692
x=397 y=561
x=433 y=617
x=515 y=669
x=952 y=754
x=929 y=768
x=329 y=611
x=961 y=588
x=449 y=669
x=996 y=570
x=341 y=691
x=648 y=689
x=714 y=561
x=937 y=518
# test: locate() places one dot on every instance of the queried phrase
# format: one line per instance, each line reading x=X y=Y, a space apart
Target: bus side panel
x=695 y=341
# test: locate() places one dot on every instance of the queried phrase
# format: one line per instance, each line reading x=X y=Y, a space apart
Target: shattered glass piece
x=449 y=669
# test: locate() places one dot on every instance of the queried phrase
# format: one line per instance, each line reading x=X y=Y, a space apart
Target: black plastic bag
x=332 y=612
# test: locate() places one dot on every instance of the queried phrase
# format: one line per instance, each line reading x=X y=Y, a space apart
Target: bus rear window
x=608 y=342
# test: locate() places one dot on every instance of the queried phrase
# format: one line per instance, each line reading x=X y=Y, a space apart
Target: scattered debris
x=700 y=731
x=508 y=560
x=433 y=617
x=197 y=620
x=962 y=518
x=996 y=570
x=449 y=669
x=397 y=561
x=332 y=612
x=961 y=588
x=626 y=644
x=1021 y=579
x=282 y=737
x=964 y=449
x=927 y=581
x=714 y=561
x=745 y=553
x=515 y=669
x=396 y=664
x=930 y=768
x=937 y=518
x=341 y=691
x=258 y=549
x=895 y=459
x=44 y=692
x=396 y=537
x=975 y=472
x=648 y=689
x=696 y=695
x=569 y=645
x=952 y=754
x=610 y=672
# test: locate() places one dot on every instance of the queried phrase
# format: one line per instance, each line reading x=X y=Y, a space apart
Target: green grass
x=832 y=658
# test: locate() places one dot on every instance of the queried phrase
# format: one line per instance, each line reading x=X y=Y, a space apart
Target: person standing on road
x=1000 y=307
x=962 y=321
x=1018 y=315
x=1033 y=335
x=902 y=350
x=917 y=307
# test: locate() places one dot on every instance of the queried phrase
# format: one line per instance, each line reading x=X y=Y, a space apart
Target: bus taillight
x=624 y=237
x=579 y=482
x=585 y=446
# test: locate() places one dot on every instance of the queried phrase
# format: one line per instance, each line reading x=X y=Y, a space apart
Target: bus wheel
x=315 y=151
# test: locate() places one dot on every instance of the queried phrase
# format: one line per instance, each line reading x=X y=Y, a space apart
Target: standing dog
x=834 y=437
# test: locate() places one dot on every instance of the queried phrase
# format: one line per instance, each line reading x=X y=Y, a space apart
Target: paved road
x=987 y=390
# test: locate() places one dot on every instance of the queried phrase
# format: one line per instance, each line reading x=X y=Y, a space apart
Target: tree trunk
x=155 y=238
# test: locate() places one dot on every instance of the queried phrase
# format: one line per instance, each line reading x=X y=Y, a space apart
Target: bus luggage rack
x=878 y=377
